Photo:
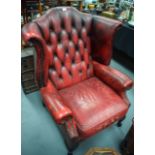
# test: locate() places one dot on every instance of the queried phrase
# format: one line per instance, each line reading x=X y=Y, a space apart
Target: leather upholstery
x=76 y=84
x=112 y=77
x=102 y=35
x=63 y=38
x=94 y=105
x=55 y=103
x=63 y=35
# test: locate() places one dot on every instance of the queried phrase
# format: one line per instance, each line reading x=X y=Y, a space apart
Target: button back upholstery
x=73 y=51
x=64 y=34
x=68 y=47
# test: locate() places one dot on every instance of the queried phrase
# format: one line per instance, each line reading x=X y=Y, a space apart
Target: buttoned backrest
x=66 y=38
x=63 y=38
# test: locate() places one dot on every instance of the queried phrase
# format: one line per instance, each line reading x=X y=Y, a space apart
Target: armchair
x=82 y=93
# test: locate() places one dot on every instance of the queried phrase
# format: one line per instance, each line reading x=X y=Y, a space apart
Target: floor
x=40 y=135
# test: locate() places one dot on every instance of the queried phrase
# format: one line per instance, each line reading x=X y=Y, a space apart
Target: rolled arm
x=112 y=77
x=31 y=31
x=55 y=103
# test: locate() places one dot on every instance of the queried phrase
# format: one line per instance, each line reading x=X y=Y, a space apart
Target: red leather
x=71 y=128
x=102 y=34
x=55 y=103
x=62 y=36
x=112 y=77
x=94 y=105
x=77 y=90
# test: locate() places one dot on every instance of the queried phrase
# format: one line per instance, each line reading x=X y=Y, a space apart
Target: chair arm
x=55 y=103
x=32 y=34
x=112 y=77
x=31 y=31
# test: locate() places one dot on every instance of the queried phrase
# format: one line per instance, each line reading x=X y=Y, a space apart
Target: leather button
x=69 y=36
x=51 y=28
x=76 y=47
x=88 y=65
x=82 y=58
x=59 y=37
x=85 y=46
x=83 y=23
x=62 y=25
x=68 y=43
x=52 y=68
x=60 y=76
x=80 y=71
x=70 y=72
x=73 y=61
x=73 y=22
x=55 y=55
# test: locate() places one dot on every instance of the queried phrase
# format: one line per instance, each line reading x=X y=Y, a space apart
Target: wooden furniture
x=29 y=8
x=51 y=3
x=101 y=151
x=27 y=71
x=70 y=3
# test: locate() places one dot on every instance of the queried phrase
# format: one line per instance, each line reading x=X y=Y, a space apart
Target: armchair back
x=64 y=38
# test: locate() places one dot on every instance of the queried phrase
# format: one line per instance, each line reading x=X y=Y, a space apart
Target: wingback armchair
x=81 y=91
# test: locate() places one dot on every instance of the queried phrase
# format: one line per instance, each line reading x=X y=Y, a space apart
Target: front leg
x=70 y=134
x=119 y=123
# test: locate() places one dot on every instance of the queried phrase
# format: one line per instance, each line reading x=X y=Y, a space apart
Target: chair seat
x=94 y=105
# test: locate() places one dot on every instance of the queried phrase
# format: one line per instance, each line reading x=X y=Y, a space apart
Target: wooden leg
x=70 y=153
x=43 y=104
x=71 y=144
x=119 y=124
x=71 y=137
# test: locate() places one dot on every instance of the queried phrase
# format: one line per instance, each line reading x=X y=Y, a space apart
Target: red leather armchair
x=82 y=93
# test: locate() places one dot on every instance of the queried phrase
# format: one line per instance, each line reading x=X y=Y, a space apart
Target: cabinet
x=28 y=71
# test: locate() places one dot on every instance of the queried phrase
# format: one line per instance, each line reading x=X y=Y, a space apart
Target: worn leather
x=94 y=105
x=76 y=89
x=55 y=103
x=102 y=35
x=112 y=77
x=62 y=34
x=63 y=38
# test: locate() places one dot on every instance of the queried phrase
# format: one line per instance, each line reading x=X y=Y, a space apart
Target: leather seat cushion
x=94 y=105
